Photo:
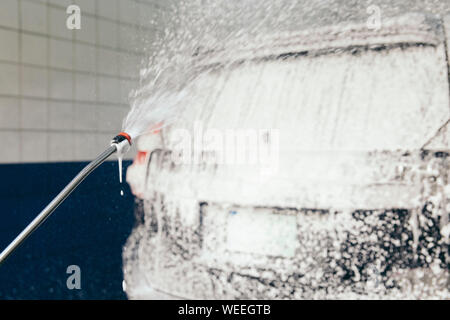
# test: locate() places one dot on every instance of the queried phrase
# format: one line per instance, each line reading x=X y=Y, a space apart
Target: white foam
x=332 y=111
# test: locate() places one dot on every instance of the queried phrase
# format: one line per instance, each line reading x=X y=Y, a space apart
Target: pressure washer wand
x=120 y=144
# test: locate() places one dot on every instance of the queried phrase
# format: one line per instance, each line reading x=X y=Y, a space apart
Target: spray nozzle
x=122 y=142
x=121 y=137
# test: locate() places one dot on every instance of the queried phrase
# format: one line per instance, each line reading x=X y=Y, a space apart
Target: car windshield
x=391 y=99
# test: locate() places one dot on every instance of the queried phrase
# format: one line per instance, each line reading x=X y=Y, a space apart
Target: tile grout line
x=58 y=130
x=20 y=82
x=74 y=106
x=97 y=83
x=47 y=11
x=59 y=69
x=62 y=100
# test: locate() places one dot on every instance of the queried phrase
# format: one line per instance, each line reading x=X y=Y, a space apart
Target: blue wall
x=89 y=230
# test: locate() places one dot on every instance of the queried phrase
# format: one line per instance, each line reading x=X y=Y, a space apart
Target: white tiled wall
x=63 y=93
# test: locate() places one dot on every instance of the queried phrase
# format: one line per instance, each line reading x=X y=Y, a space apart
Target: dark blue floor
x=89 y=230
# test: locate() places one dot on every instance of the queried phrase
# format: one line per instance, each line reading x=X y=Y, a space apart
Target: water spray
x=120 y=144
